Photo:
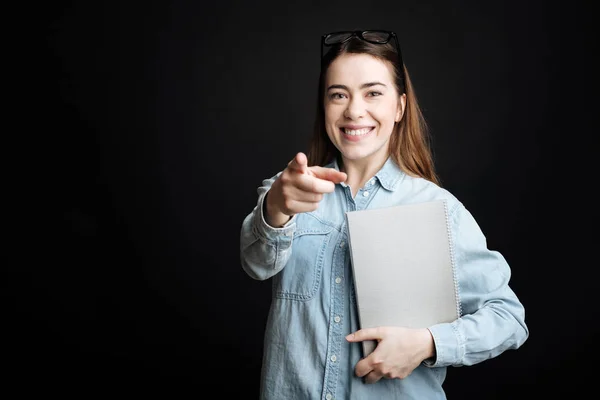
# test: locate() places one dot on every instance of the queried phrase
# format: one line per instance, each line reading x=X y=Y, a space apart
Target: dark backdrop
x=159 y=120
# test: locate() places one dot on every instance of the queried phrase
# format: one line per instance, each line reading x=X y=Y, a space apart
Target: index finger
x=365 y=334
x=313 y=184
x=299 y=163
x=330 y=174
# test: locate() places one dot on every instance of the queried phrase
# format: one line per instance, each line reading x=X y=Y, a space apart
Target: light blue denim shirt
x=313 y=305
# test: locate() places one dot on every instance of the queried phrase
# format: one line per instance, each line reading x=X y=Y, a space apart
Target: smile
x=356 y=134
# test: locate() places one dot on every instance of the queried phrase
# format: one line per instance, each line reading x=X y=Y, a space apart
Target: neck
x=359 y=171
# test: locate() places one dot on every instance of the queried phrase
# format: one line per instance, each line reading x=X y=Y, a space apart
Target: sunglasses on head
x=370 y=36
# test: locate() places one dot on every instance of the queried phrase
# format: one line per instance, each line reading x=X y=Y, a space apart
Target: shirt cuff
x=449 y=348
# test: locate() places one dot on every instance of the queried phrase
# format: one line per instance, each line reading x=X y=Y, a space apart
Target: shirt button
x=333 y=358
x=338 y=279
x=372 y=181
x=342 y=244
x=366 y=194
x=329 y=396
x=337 y=318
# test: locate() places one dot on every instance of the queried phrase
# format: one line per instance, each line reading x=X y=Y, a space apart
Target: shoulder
x=420 y=189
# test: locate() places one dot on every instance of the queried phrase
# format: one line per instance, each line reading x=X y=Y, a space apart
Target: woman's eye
x=337 y=96
x=375 y=94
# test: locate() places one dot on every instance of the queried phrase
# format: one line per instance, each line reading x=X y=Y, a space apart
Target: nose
x=356 y=109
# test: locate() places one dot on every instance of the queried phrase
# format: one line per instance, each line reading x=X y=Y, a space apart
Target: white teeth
x=357 y=132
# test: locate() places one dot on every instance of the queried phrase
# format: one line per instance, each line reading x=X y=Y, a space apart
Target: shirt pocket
x=300 y=278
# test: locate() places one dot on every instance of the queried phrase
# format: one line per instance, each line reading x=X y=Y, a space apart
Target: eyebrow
x=363 y=86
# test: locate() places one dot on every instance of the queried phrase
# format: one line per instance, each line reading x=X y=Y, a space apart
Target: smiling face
x=361 y=107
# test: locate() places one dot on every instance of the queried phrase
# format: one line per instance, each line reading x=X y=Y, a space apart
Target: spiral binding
x=452 y=261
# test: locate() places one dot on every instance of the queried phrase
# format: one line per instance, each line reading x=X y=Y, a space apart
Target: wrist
x=273 y=217
x=428 y=345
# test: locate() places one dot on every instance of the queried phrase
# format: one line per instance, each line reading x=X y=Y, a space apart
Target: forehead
x=350 y=69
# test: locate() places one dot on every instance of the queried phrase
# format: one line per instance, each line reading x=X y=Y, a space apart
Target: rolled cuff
x=449 y=347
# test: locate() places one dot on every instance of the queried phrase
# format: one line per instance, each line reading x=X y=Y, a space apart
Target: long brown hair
x=410 y=142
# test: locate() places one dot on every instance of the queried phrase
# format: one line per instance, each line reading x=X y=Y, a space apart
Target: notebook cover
x=403 y=266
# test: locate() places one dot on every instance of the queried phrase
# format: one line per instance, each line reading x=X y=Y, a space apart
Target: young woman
x=370 y=149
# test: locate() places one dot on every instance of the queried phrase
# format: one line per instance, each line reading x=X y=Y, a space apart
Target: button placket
x=335 y=329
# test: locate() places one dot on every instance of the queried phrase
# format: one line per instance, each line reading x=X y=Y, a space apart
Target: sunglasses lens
x=376 y=36
x=334 y=38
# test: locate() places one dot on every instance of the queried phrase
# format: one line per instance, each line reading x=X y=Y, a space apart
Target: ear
x=401 y=107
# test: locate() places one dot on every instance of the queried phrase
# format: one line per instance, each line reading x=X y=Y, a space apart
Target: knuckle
x=284 y=178
x=288 y=204
x=394 y=373
x=313 y=185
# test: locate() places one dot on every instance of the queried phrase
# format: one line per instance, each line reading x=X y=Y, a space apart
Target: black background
x=159 y=120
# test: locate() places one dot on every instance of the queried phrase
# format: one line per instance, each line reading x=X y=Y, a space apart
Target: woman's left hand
x=399 y=351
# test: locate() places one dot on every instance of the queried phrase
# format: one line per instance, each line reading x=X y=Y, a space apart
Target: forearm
x=477 y=337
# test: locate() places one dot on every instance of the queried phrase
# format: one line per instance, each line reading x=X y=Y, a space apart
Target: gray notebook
x=403 y=266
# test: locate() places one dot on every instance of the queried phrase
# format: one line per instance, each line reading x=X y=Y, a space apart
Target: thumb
x=330 y=174
x=299 y=163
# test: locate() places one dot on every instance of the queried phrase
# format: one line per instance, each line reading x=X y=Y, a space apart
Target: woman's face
x=361 y=107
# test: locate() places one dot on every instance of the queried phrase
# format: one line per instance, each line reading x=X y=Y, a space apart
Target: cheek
x=330 y=129
x=331 y=115
x=385 y=115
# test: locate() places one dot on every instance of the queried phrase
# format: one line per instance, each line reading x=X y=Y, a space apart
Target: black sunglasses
x=371 y=36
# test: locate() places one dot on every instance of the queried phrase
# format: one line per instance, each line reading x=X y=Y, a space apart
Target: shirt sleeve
x=264 y=250
x=492 y=318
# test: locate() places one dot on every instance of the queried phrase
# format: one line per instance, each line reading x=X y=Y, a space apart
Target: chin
x=355 y=155
x=372 y=152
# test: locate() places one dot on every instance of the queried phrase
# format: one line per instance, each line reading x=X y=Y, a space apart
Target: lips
x=355 y=134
